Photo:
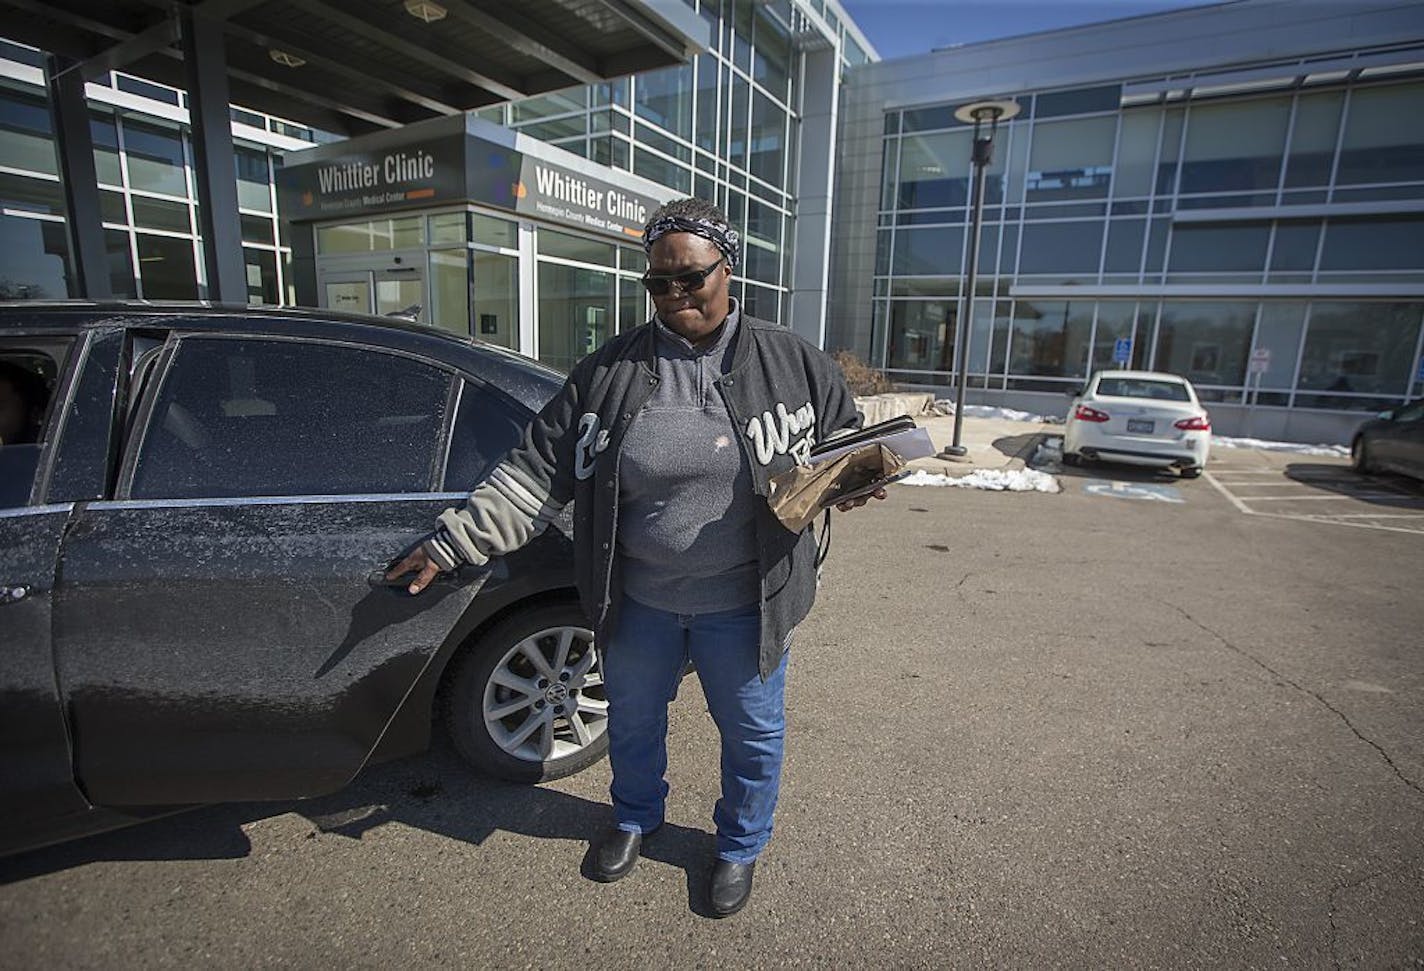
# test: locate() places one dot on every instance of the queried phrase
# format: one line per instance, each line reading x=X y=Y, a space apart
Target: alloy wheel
x=545 y=699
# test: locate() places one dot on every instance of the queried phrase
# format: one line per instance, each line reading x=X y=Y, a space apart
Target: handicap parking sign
x=1122 y=350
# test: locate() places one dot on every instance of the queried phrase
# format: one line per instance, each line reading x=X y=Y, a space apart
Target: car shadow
x=435 y=792
x=1118 y=473
x=1375 y=488
x=1023 y=444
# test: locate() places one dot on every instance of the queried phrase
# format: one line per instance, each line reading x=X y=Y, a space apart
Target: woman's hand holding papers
x=859 y=501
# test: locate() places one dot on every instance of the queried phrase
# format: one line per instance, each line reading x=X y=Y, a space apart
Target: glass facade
x=147 y=197
x=1201 y=229
x=721 y=128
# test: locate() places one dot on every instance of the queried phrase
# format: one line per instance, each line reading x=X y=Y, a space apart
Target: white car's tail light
x=1197 y=423
x=1084 y=413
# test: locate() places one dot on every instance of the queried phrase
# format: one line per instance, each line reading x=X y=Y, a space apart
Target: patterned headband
x=724 y=237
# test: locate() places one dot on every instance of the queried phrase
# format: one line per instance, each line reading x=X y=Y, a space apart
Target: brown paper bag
x=799 y=494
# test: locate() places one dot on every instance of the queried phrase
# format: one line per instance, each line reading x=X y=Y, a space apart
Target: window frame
x=157 y=380
x=58 y=407
x=516 y=408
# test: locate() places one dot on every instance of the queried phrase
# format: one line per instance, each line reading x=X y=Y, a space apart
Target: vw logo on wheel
x=557 y=694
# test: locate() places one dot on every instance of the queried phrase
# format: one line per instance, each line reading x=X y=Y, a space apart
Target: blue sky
x=901 y=27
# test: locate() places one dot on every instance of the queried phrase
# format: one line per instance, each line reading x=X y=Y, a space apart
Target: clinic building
x=1191 y=192
x=519 y=223
x=1234 y=193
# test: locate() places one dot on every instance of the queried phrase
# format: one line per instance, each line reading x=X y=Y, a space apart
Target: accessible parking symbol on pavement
x=1117 y=489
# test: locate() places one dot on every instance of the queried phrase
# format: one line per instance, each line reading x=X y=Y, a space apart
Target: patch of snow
x=996 y=480
x=1048 y=456
x=988 y=411
x=1221 y=441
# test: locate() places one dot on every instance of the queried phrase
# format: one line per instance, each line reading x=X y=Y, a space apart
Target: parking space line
x=1240 y=506
x=1379 y=515
x=1344 y=497
x=1371 y=520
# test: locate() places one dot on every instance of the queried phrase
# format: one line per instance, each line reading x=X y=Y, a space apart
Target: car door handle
x=377 y=579
x=12 y=593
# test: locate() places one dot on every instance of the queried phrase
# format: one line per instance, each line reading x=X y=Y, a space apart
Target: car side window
x=251 y=417
x=487 y=425
x=1412 y=412
x=30 y=370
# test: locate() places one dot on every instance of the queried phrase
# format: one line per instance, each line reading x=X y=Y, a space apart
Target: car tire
x=1072 y=458
x=511 y=716
x=1360 y=456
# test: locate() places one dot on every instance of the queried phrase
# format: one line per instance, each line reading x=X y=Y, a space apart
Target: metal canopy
x=355 y=66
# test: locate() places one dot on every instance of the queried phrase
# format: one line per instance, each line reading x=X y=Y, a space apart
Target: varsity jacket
x=783 y=395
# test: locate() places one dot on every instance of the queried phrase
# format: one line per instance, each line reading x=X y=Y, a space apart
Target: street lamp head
x=978 y=112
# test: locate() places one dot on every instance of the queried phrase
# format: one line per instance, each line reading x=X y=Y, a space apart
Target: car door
x=217 y=632
x=1407 y=441
x=36 y=780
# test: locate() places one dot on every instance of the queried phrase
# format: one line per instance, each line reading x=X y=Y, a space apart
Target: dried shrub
x=863 y=379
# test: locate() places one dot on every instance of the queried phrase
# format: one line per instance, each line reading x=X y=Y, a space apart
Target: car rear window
x=245 y=417
x=1143 y=388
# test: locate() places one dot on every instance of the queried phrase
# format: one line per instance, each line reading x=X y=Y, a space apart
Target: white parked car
x=1138 y=418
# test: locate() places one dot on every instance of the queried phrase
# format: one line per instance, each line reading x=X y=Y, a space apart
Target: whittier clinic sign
x=458 y=168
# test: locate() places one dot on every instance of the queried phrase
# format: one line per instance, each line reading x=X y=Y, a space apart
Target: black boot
x=616 y=855
x=730 y=887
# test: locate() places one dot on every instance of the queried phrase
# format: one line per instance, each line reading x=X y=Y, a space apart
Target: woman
x=666 y=437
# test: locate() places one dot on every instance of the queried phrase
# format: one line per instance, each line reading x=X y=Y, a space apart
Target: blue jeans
x=642 y=664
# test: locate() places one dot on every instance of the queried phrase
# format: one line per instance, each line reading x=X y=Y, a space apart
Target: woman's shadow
x=436 y=792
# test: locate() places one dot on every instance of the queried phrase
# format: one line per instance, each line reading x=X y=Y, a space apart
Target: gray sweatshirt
x=687 y=522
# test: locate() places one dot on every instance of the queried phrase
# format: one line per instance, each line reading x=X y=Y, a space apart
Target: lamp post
x=978 y=113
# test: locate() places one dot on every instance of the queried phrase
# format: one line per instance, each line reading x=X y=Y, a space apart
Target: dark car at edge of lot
x=1393 y=442
x=197 y=505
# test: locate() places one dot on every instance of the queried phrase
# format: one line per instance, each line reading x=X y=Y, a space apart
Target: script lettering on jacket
x=772 y=435
x=591 y=441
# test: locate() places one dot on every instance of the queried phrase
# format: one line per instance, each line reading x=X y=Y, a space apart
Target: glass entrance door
x=350 y=292
x=376 y=291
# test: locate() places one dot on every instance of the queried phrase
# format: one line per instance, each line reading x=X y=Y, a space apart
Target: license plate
x=1142 y=425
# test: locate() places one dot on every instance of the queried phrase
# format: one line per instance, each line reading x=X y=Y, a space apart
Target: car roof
x=1144 y=375
x=488 y=361
x=198 y=313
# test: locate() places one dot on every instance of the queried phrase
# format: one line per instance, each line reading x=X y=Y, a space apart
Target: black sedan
x=197 y=505
x=1393 y=442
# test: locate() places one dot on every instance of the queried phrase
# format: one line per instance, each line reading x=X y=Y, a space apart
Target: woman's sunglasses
x=659 y=284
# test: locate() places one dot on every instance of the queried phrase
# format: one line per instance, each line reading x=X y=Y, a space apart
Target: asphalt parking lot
x=1027 y=730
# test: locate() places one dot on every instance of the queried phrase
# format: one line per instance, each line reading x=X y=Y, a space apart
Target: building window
x=1057 y=249
x=576 y=312
x=928 y=251
x=665 y=98
x=1219 y=248
x=253 y=179
x=155 y=157
x=1313 y=137
x=1362 y=245
x=26 y=140
x=1359 y=348
x=934 y=170
x=1380 y=144
x=166 y=267
x=261 y=265
x=494 y=308
x=921 y=335
x=1051 y=338
x=1206 y=343
x=1234 y=146
x=36 y=253
x=1071 y=159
